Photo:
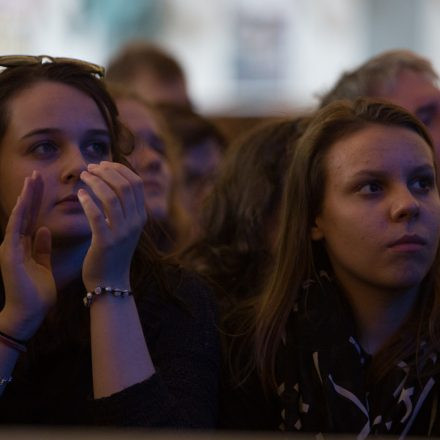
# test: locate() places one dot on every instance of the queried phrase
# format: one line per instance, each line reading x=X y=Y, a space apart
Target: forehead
x=52 y=105
x=135 y=115
x=378 y=147
x=413 y=90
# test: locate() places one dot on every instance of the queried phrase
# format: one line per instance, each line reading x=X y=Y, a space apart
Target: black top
x=53 y=381
x=323 y=381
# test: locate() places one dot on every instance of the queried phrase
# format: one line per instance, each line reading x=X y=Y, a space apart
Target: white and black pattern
x=323 y=371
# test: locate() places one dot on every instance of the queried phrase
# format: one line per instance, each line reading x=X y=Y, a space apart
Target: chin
x=409 y=280
x=71 y=232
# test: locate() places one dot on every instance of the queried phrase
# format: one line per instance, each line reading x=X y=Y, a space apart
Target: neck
x=379 y=312
x=67 y=262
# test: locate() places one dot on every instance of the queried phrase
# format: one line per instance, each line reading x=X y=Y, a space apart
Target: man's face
x=418 y=93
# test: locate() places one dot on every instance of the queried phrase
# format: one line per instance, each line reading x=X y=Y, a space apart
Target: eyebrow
x=55 y=131
x=377 y=173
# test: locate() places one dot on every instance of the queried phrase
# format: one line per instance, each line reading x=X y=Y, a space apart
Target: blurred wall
x=242 y=57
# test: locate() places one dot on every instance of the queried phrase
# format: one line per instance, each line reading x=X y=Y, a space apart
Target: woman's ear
x=316 y=231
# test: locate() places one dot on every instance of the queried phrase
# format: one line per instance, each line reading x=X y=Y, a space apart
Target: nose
x=405 y=206
x=153 y=161
x=74 y=164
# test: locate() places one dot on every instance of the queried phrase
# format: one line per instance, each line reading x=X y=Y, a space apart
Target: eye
x=151 y=140
x=44 y=149
x=97 y=150
x=156 y=143
x=427 y=114
x=423 y=184
x=370 y=188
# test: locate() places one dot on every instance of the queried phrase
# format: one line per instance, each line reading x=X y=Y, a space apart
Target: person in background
x=151 y=158
x=345 y=334
x=240 y=217
x=151 y=72
x=400 y=76
x=95 y=328
x=199 y=147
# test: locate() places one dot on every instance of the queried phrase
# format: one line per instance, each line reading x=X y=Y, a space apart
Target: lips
x=153 y=186
x=72 y=198
x=408 y=243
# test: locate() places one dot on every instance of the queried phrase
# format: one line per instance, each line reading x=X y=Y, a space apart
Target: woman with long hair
x=345 y=333
x=240 y=216
x=94 y=328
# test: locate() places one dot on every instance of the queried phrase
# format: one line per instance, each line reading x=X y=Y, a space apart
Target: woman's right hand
x=25 y=261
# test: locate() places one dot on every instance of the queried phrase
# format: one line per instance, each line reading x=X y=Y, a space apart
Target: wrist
x=18 y=326
x=119 y=284
x=105 y=293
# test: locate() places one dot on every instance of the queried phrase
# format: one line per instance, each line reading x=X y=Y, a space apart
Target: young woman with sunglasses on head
x=94 y=327
x=344 y=337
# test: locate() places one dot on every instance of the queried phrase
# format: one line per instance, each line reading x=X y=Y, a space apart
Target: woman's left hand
x=116 y=214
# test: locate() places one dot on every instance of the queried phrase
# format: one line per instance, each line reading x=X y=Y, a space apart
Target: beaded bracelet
x=88 y=299
x=12 y=342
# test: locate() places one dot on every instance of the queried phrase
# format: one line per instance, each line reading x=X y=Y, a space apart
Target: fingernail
x=92 y=166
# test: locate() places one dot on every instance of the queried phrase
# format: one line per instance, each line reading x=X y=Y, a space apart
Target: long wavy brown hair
x=260 y=323
x=240 y=216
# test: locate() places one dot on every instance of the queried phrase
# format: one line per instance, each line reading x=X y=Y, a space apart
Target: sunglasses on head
x=9 y=61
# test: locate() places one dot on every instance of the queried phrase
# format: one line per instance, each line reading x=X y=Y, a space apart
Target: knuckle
x=137 y=180
x=95 y=216
x=125 y=188
x=113 y=200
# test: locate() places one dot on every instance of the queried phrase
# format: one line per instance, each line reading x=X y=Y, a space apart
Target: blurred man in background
x=400 y=76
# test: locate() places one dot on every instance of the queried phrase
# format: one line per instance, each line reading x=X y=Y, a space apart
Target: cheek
x=346 y=232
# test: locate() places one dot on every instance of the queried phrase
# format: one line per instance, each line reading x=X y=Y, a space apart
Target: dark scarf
x=323 y=376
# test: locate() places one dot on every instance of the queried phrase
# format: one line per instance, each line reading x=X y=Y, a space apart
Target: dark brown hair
x=141 y=55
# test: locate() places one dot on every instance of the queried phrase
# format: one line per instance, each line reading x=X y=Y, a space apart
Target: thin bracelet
x=90 y=296
x=13 y=342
